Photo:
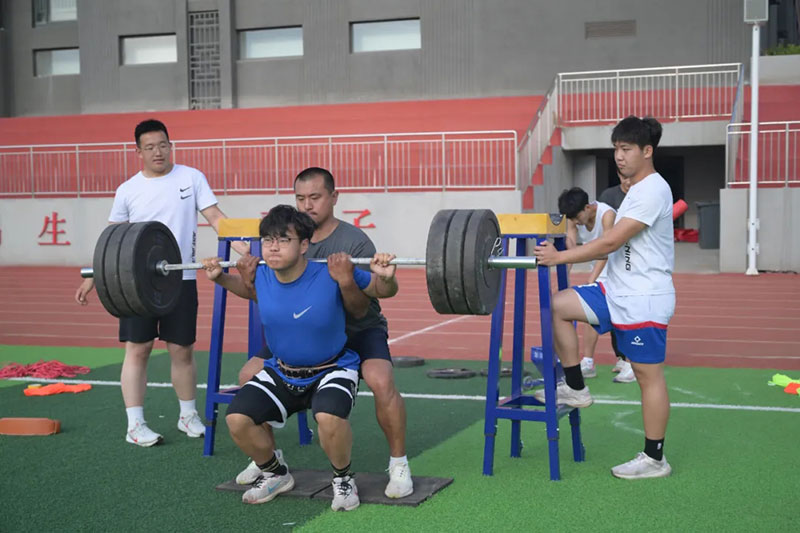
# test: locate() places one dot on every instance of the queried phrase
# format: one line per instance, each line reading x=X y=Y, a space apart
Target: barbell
x=136 y=266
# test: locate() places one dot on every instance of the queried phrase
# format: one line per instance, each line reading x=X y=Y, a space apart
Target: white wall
x=401 y=222
x=698 y=133
x=779 y=70
x=778 y=236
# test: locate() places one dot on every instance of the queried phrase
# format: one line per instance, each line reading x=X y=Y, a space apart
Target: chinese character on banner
x=52 y=222
x=361 y=214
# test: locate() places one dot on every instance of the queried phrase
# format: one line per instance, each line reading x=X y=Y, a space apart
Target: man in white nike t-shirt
x=171 y=194
x=637 y=299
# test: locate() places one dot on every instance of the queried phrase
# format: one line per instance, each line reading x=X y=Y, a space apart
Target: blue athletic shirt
x=304 y=320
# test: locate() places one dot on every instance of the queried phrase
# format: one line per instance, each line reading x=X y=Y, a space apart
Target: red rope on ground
x=42 y=369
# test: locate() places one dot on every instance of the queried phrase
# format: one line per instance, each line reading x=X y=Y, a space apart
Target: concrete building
x=66 y=61
x=93 y=56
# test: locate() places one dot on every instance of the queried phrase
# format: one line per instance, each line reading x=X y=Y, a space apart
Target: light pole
x=756 y=12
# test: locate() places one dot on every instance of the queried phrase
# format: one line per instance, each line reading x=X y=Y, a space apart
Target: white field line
x=429 y=328
x=450 y=397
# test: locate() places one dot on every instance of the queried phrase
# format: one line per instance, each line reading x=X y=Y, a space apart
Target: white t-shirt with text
x=639 y=285
x=644 y=264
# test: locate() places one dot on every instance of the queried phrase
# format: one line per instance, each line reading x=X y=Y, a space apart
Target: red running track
x=723 y=320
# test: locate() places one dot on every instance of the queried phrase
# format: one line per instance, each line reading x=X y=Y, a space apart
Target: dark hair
x=276 y=223
x=572 y=201
x=313 y=172
x=147 y=126
x=639 y=131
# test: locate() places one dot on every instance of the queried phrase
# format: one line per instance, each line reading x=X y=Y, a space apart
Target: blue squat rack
x=236 y=229
x=521 y=227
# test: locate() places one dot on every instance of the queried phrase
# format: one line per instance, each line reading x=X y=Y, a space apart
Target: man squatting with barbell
x=637 y=299
x=302 y=312
x=367 y=335
x=171 y=194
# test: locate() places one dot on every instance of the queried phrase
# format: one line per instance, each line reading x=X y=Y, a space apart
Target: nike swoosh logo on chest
x=301 y=313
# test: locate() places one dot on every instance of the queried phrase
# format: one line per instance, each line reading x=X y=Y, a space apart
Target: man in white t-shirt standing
x=636 y=301
x=587 y=221
x=171 y=194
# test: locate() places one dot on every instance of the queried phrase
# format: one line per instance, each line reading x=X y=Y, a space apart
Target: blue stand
x=513 y=407
x=255 y=341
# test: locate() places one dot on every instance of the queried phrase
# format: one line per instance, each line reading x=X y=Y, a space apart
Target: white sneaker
x=192 y=425
x=251 y=473
x=619 y=366
x=625 y=375
x=642 y=466
x=568 y=396
x=400 y=483
x=267 y=486
x=141 y=435
x=587 y=368
x=345 y=494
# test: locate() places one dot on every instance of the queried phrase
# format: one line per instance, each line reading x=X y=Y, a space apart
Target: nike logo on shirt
x=186 y=189
x=185 y=197
x=301 y=313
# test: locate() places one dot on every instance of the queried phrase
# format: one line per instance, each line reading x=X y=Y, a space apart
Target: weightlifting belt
x=302 y=372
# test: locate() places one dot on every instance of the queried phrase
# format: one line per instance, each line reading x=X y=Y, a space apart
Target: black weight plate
x=505 y=372
x=111 y=271
x=481 y=283
x=454 y=261
x=451 y=373
x=435 y=262
x=406 y=361
x=148 y=292
x=98 y=269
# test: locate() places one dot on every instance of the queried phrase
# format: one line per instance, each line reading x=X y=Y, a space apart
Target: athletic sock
x=273 y=466
x=188 y=407
x=574 y=377
x=589 y=360
x=341 y=472
x=397 y=460
x=654 y=448
x=135 y=414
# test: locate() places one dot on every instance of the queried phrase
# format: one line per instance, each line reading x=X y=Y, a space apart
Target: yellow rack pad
x=530 y=223
x=238 y=227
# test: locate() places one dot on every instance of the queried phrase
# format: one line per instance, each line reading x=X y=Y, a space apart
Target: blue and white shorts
x=639 y=322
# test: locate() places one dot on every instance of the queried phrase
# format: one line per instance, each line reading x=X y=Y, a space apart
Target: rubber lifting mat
x=317 y=484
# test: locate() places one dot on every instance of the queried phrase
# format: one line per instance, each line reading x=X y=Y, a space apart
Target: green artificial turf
x=733 y=468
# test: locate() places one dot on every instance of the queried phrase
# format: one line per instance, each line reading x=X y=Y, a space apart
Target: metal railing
x=737 y=114
x=379 y=162
x=666 y=93
x=537 y=137
x=778 y=154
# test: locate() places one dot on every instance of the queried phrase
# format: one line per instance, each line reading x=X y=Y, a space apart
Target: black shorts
x=371 y=343
x=178 y=327
x=266 y=398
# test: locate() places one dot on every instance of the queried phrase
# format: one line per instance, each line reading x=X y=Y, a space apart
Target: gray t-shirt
x=349 y=239
x=612 y=196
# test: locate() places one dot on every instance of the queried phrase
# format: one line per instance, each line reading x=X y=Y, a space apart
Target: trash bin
x=708 y=218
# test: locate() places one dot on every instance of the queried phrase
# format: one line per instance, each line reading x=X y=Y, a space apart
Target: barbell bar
x=136 y=266
x=162 y=267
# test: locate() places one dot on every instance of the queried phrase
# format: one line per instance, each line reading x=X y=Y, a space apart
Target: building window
x=47 y=11
x=385 y=35
x=149 y=49
x=61 y=62
x=272 y=42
